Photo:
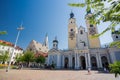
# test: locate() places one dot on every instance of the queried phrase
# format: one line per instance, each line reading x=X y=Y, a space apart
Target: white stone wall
x=113 y=55
x=36 y=46
x=54 y=56
x=82 y=39
x=10 y=50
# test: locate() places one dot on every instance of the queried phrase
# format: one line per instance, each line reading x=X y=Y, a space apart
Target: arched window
x=116 y=36
x=104 y=61
x=81 y=32
x=93 y=62
x=91 y=25
x=71 y=29
x=66 y=62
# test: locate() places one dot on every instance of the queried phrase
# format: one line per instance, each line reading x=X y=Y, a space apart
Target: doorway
x=93 y=62
x=73 y=62
x=83 y=62
x=66 y=62
x=104 y=62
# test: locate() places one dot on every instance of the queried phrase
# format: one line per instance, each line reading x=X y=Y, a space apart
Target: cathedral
x=83 y=51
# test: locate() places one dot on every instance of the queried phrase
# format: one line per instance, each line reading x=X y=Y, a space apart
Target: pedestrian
x=89 y=71
x=105 y=70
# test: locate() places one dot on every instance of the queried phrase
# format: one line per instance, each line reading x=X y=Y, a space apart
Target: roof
x=55 y=41
x=40 y=53
x=37 y=46
x=5 y=43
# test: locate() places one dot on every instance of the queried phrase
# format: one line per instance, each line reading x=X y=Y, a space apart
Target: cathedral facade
x=83 y=51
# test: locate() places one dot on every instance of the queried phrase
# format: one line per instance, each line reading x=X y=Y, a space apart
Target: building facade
x=83 y=50
x=37 y=47
x=9 y=47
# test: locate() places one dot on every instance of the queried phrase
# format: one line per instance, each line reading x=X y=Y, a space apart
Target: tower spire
x=46 y=41
x=71 y=14
x=55 y=43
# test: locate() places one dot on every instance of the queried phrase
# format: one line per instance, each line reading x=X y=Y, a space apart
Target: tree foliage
x=103 y=11
x=3 y=32
x=115 y=68
x=28 y=57
x=4 y=57
x=19 y=58
x=40 y=59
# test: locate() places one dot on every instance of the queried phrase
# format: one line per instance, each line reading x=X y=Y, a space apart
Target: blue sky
x=40 y=17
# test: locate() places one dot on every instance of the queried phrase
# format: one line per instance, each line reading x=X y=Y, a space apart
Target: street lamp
x=19 y=29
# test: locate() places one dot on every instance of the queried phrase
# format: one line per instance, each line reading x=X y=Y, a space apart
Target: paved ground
x=53 y=75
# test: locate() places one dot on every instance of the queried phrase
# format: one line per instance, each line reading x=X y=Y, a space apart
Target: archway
x=73 y=62
x=83 y=63
x=93 y=62
x=104 y=62
x=66 y=63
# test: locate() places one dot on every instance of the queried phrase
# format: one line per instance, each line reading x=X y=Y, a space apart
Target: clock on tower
x=92 y=31
x=71 y=34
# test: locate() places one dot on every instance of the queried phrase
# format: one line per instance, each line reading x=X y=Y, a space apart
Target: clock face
x=92 y=31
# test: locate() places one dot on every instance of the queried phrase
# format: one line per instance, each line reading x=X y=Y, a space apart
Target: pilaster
x=86 y=60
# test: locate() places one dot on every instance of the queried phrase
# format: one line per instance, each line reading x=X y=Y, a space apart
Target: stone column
x=97 y=60
x=89 y=61
x=100 y=62
x=78 y=62
x=75 y=61
x=108 y=58
x=63 y=61
x=69 y=61
x=86 y=60
x=58 y=61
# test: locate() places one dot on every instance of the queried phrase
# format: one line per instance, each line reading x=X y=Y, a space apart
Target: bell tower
x=92 y=30
x=72 y=31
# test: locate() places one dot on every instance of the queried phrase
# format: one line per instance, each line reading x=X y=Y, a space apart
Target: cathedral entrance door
x=73 y=62
x=104 y=62
x=83 y=63
x=93 y=62
x=66 y=63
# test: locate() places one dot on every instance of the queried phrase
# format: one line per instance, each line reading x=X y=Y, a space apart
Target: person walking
x=89 y=71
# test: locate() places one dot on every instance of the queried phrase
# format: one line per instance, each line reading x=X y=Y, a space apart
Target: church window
x=71 y=21
x=30 y=49
x=54 y=45
x=116 y=36
x=81 y=32
x=71 y=30
x=91 y=25
x=84 y=44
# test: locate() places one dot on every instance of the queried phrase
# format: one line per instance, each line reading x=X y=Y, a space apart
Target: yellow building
x=92 y=30
x=72 y=31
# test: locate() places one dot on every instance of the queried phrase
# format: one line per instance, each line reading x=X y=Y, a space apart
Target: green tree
x=19 y=58
x=115 y=68
x=3 y=32
x=28 y=57
x=4 y=57
x=40 y=59
x=103 y=13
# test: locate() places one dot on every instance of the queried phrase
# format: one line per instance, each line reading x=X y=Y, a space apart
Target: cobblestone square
x=54 y=75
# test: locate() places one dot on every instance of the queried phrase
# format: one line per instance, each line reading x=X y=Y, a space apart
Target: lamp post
x=19 y=29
